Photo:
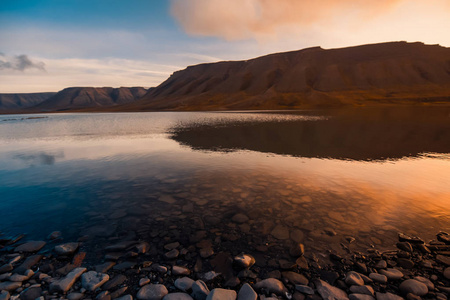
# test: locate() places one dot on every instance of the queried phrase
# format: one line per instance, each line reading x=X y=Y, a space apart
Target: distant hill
x=22 y=101
x=395 y=72
x=88 y=98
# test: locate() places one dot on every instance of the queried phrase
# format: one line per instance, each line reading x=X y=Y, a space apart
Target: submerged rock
x=31 y=246
x=66 y=249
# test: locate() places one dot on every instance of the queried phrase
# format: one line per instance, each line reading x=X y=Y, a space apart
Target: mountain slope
x=395 y=72
x=22 y=101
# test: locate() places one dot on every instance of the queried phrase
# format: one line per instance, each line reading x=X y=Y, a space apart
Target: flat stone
x=172 y=254
x=280 y=232
x=304 y=289
x=66 y=249
x=177 y=296
x=363 y=289
x=425 y=281
x=4 y=295
x=382 y=264
x=405 y=246
x=167 y=199
x=6 y=268
x=360 y=297
x=297 y=235
x=244 y=260
x=353 y=278
x=184 y=284
x=443 y=259
x=271 y=285
x=117 y=293
x=387 y=296
x=172 y=246
x=199 y=290
x=405 y=263
x=152 y=292
x=239 y=218
x=297 y=250
x=125 y=297
x=64 y=284
x=21 y=278
x=10 y=285
x=329 y=292
x=143 y=247
x=31 y=246
x=124 y=266
x=31 y=293
x=211 y=275
x=75 y=296
x=447 y=273
x=221 y=294
x=144 y=281
x=177 y=270
x=295 y=278
x=378 y=277
x=104 y=267
x=28 y=263
x=123 y=245
x=247 y=293
x=392 y=274
x=93 y=280
x=414 y=287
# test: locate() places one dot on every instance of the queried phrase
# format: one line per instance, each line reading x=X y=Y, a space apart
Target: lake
x=244 y=181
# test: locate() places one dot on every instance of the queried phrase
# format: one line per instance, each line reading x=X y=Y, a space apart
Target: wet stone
x=360 y=297
x=206 y=252
x=353 y=278
x=363 y=289
x=6 y=268
x=425 y=281
x=382 y=264
x=172 y=254
x=152 y=292
x=405 y=246
x=172 y=246
x=28 y=263
x=64 y=284
x=304 y=289
x=387 y=296
x=115 y=281
x=125 y=297
x=124 y=266
x=104 y=267
x=244 y=260
x=405 y=263
x=413 y=286
x=443 y=259
x=184 y=284
x=4 y=295
x=31 y=293
x=75 y=296
x=66 y=249
x=199 y=290
x=247 y=293
x=221 y=294
x=392 y=274
x=177 y=296
x=31 y=246
x=177 y=270
x=297 y=250
x=211 y=275
x=329 y=292
x=378 y=277
x=271 y=285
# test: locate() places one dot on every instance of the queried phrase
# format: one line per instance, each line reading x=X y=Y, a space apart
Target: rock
x=382 y=264
x=239 y=218
x=244 y=260
x=361 y=267
x=158 y=268
x=405 y=246
x=378 y=277
x=387 y=296
x=199 y=290
x=211 y=275
x=297 y=250
x=31 y=246
x=93 y=280
x=247 y=293
x=4 y=295
x=75 y=296
x=413 y=286
x=304 y=289
x=105 y=295
x=31 y=293
x=172 y=246
x=54 y=235
x=123 y=245
x=117 y=293
x=177 y=296
x=177 y=270
x=65 y=283
x=221 y=294
x=295 y=278
x=363 y=289
x=144 y=281
x=392 y=274
x=172 y=254
x=104 y=267
x=297 y=235
x=443 y=259
x=124 y=266
x=280 y=232
x=6 y=268
x=329 y=292
x=143 y=247
x=125 y=297
x=66 y=249
x=406 y=238
x=152 y=292
x=425 y=281
x=413 y=297
x=184 y=284
x=443 y=237
x=405 y=263
x=206 y=252
x=115 y=281
x=271 y=285
x=353 y=278
x=447 y=273
x=10 y=285
x=28 y=263
x=360 y=297
x=21 y=278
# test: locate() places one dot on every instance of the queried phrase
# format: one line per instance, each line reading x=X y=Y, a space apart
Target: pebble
x=297 y=250
x=280 y=232
x=405 y=246
x=271 y=285
x=172 y=254
x=143 y=247
x=104 y=267
x=152 y=292
x=329 y=292
x=382 y=264
x=211 y=275
x=115 y=281
x=363 y=289
x=184 y=284
x=392 y=274
x=75 y=296
x=4 y=295
x=378 y=277
x=172 y=246
x=425 y=281
x=65 y=283
x=405 y=263
x=413 y=286
x=6 y=268
x=199 y=290
x=28 y=263
x=31 y=246
x=443 y=259
x=125 y=265
x=387 y=296
x=295 y=278
x=353 y=278
x=247 y=293
x=10 y=285
x=177 y=296
x=239 y=218
x=177 y=270
x=66 y=249
x=244 y=260
x=125 y=297
x=447 y=273
x=144 y=281
x=31 y=293
x=360 y=297
x=304 y=289
x=221 y=294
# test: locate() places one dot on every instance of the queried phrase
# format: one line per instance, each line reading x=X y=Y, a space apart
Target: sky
x=47 y=45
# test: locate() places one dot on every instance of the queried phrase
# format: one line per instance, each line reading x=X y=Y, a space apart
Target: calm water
x=303 y=176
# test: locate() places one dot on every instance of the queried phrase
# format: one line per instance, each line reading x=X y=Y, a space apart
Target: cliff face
x=396 y=72
x=74 y=98
x=22 y=101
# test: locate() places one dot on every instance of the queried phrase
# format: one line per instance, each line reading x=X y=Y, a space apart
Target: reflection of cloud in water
x=39 y=158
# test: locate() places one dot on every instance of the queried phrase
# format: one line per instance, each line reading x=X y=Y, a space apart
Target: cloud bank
x=19 y=63
x=243 y=19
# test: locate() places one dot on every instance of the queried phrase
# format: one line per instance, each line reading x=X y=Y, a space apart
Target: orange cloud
x=242 y=19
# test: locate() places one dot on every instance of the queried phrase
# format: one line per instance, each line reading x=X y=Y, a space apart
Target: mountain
x=22 y=101
x=90 y=98
x=394 y=72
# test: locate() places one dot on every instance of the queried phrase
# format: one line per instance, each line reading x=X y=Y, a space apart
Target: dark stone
x=31 y=293
x=405 y=263
x=115 y=281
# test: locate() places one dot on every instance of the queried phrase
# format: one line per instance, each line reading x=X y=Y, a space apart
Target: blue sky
x=51 y=44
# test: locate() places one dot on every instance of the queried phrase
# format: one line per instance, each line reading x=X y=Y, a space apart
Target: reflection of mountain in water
x=358 y=134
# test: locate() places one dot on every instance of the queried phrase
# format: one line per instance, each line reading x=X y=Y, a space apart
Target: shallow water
x=312 y=176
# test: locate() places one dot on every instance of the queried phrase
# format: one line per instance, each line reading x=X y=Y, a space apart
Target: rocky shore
x=131 y=267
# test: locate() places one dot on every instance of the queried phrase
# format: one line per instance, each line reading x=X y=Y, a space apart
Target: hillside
x=395 y=72
x=22 y=101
